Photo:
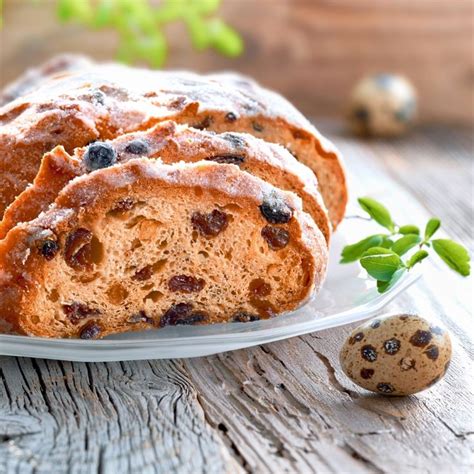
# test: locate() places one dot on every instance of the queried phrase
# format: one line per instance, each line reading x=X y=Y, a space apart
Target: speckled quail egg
x=396 y=355
x=382 y=105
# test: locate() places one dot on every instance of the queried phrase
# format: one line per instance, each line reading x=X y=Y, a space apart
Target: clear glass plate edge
x=140 y=349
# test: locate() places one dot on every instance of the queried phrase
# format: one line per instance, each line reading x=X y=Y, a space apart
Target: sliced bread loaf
x=142 y=244
x=171 y=143
x=73 y=108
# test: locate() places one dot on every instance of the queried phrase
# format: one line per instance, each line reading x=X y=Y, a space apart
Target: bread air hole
x=159 y=265
x=154 y=296
x=148 y=229
x=232 y=208
x=96 y=254
x=136 y=244
x=53 y=295
x=85 y=277
x=117 y=294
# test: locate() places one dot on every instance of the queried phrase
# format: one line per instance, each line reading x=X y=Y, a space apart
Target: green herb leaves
x=417 y=257
x=405 y=243
x=381 y=254
x=141 y=24
x=431 y=227
x=377 y=211
x=409 y=229
x=454 y=254
x=381 y=263
x=353 y=252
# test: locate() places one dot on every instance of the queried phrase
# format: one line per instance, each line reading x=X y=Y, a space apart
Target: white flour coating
x=215 y=92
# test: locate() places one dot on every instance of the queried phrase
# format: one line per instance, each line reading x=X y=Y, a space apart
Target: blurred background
x=312 y=51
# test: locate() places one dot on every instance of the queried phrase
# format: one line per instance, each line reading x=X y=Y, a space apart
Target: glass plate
x=348 y=295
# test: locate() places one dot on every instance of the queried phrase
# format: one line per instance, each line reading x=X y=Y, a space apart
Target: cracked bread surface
x=172 y=143
x=142 y=244
x=74 y=107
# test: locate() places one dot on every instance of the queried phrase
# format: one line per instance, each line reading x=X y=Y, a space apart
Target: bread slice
x=173 y=143
x=142 y=244
x=74 y=108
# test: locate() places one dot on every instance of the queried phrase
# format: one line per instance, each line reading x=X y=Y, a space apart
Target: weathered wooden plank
x=75 y=417
x=282 y=407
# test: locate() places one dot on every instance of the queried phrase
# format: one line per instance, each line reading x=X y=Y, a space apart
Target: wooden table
x=282 y=407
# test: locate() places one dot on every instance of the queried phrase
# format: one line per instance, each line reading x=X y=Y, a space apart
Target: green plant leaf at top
x=417 y=257
x=406 y=243
x=377 y=211
x=351 y=253
x=381 y=263
x=224 y=39
x=454 y=255
x=383 y=286
x=206 y=7
x=140 y=25
x=409 y=229
x=431 y=227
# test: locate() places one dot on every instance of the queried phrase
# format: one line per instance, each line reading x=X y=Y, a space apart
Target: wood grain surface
x=313 y=51
x=281 y=407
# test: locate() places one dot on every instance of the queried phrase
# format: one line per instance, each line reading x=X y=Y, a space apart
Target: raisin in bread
x=171 y=143
x=142 y=244
x=102 y=101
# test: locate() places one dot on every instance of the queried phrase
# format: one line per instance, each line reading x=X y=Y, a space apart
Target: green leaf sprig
x=140 y=25
x=381 y=254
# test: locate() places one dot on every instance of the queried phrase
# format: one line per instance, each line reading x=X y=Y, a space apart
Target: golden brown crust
x=126 y=195
x=56 y=170
x=105 y=101
x=172 y=143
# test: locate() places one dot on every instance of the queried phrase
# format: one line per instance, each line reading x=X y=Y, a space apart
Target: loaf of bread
x=72 y=104
x=142 y=244
x=171 y=143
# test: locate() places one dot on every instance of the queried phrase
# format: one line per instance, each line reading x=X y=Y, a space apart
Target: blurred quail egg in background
x=382 y=105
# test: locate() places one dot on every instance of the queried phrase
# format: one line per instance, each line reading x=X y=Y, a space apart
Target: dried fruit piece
x=227 y=159
x=259 y=288
x=81 y=250
x=49 y=249
x=237 y=141
x=182 y=313
x=137 y=147
x=77 y=311
x=276 y=237
x=244 y=317
x=99 y=155
x=186 y=284
x=276 y=210
x=230 y=117
x=210 y=225
x=90 y=331
x=144 y=274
